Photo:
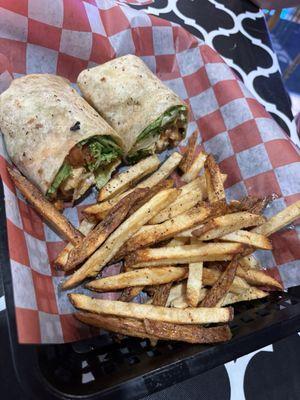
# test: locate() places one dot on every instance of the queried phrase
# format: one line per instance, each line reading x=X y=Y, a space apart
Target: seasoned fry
x=195 y=167
x=210 y=277
x=249 y=294
x=181 y=301
x=187 y=333
x=140 y=277
x=124 y=326
x=142 y=311
x=258 y=278
x=225 y=224
x=194 y=283
x=45 y=208
x=176 y=291
x=188 y=157
x=183 y=254
x=161 y=294
x=214 y=181
x=280 y=220
x=114 y=242
x=252 y=204
x=100 y=233
x=128 y=178
x=130 y=293
x=85 y=227
x=249 y=262
x=100 y=210
x=221 y=287
x=163 y=172
x=167 y=184
x=164 y=330
x=151 y=234
x=191 y=194
x=250 y=238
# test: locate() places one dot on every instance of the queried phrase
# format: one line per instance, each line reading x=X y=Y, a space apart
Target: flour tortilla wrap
x=147 y=115
x=48 y=127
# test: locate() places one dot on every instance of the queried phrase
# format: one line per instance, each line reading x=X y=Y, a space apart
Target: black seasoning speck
x=24 y=154
x=76 y=126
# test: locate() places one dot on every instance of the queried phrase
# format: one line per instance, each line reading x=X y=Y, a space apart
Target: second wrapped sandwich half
x=146 y=114
x=56 y=138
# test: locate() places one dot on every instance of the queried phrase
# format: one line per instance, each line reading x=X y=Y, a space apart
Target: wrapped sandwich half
x=146 y=114
x=55 y=138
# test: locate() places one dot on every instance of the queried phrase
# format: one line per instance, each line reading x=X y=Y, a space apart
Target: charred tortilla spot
x=103 y=79
x=37 y=126
x=76 y=126
x=30 y=121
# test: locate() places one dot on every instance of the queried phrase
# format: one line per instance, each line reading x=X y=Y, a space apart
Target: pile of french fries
x=187 y=247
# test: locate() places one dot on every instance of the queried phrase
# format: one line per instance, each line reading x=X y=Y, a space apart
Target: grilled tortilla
x=55 y=138
x=147 y=114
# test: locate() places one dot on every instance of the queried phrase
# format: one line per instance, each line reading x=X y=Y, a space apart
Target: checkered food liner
x=65 y=36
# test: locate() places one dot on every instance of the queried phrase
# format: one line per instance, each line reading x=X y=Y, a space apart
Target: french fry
x=140 y=277
x=258 y=278
x=250 y=238
x=85 y=227
x=183 y=254
x=252 y=204
x=159 y=299
x=100 y=210
x=210 y=277
x=191 y=194
x=214 y=180
x=157 y=313
x=252 y=293
x=130 y=293
x=114 y=242
x=222 y=286
x=163 y=172
x=124 y=326
x=151 y=234
x=167 y=184
x=181 y=301
x=100 y=233
x=176 y=291
x=45 y=208
x=164 y=331
x=193 y=171
x=220 y=226
x=194 y=281
x=187 y=333
x=128 y=178
x=277 y=222
x=161 y=294
x=249 y=262
x=188 y=157
x=280 y=220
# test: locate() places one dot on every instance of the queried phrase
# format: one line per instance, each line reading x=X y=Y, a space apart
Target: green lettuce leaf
x=63 y=173
x=102 y=177
x=161 y=122
x=104 y=151
x=144 y=145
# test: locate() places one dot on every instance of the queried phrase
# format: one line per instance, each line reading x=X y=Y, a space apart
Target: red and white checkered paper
x=65 y=36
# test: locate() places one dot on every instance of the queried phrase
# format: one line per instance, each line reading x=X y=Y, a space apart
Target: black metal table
x=237 y=30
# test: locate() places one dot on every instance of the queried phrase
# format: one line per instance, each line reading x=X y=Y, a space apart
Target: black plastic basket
x=100 y=368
